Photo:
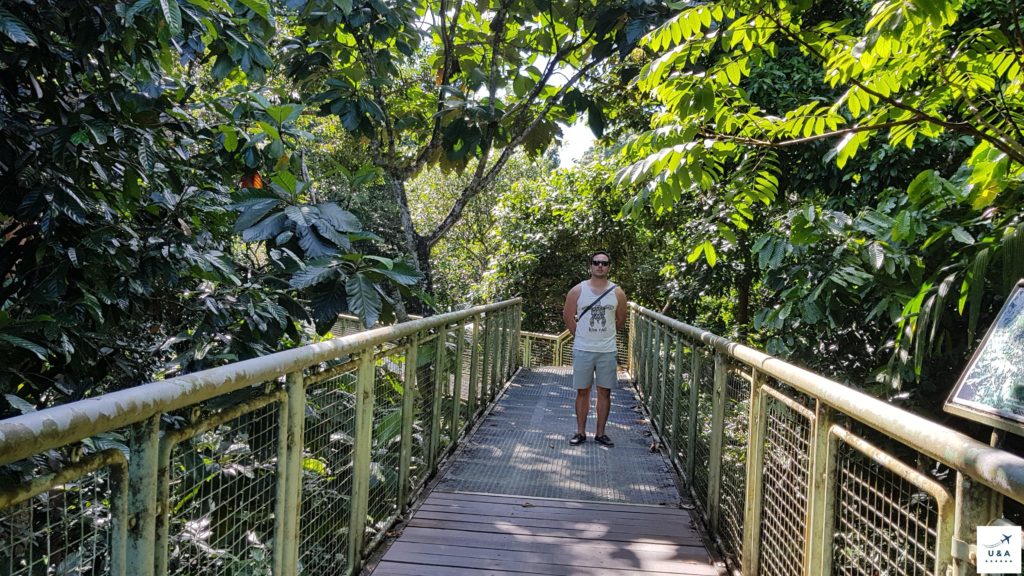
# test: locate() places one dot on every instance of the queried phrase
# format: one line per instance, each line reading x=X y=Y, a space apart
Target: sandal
x=577 y=439
x=604 y=440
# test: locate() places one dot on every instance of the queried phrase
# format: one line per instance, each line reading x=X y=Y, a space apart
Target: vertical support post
x=631 y=327
x=119 y=519
x=677 y=397
x=527 y=361
x=294 y=442
x=281 y=544
x=691 y=445
x=409 y=387
x=645 y=359
x=976 y=505
x=665 y=381
x=752 y=502
x=460 y=346
x=820 y=503
x=474 y=368
x=485 y=361
x=437 y=404
x=142 y=492
x=493 y=327
x=502 y=348
x=655 y=378
x=718 y=401
x=359 y=502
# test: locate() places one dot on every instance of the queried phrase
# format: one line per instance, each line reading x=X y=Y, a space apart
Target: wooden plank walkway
x=475 y=534
x=464 y=533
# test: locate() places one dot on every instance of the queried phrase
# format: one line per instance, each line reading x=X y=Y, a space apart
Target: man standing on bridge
x=594 y=310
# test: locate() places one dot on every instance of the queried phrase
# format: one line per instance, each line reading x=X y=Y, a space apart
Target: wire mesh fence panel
x=67 y=528
x=702 y=441
x=785 y=478
x=734 y=461
x=445 y=377
x=566 y=351
x=883 y=523
x=681 y=422
x=465 y=367
x=221 y=495
x=329 y=440
x=423 y=410
x=386 y=443
x=542 y=352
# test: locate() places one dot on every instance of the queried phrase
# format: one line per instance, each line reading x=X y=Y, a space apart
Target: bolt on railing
x=795 y=474
x=293 y=463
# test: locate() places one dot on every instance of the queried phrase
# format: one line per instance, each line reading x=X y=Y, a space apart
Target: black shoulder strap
x=591 y=305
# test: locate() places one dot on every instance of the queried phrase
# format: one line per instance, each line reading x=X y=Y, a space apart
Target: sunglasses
x=601 y=262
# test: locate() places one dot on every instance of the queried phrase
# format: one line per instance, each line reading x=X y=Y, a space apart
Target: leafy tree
x=121 y=253
x=942 y=78
x=460 y=85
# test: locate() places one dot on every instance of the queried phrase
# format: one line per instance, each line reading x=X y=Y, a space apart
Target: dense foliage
x=882 y=187
x=126 y=170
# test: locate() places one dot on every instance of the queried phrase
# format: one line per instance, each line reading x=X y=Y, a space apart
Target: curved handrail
x=28 y=434
x=997 y=469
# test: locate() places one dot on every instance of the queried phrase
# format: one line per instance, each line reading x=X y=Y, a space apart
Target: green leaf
x=310 y=276
x=963 y=235
x=19 y=342
x=363 y=299
x=15 y=29
x=172 y=15
x=19 y=404
x=260 y=7
x=709 y=253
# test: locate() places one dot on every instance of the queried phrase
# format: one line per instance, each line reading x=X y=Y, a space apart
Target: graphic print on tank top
x=599 y=317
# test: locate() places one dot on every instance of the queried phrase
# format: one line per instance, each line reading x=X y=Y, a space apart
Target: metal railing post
x=142 y=497
x=437 y=404
x=460 y=346
x=718 y=400
x=820 y=502
x=655 y=379
x=693 y=412
x=359 y=502
x=485 y=361
x=409 y=387
x=753 y=502
x=630 y=331
x=976 y=505
x=294 y=445
x=503 y=333
x=677 y=396
x=665 y=380
x=474 y=368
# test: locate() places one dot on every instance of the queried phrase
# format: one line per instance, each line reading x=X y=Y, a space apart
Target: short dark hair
x=601 y=252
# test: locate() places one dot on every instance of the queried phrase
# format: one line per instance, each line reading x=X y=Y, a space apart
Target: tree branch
x=478 y=184
x=962 y=127
x=797 y=141
x=447 y=67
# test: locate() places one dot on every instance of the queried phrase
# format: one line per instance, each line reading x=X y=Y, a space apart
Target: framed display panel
x=991 y=388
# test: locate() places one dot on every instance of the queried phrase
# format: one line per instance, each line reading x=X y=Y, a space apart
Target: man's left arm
x=621 y=311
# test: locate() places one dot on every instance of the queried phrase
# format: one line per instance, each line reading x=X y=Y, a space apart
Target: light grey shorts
x=586 y=364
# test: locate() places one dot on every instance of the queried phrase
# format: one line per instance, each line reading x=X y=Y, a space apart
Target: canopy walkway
x=518 y=498
x=304 y=461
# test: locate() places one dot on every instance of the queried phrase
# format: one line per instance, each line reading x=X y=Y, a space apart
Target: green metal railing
x=294 y=463
x=795 y=474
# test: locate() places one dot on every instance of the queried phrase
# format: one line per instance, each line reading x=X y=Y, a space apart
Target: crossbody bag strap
x=591 y=305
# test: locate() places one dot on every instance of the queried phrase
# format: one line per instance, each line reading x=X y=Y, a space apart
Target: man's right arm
x=569 y=311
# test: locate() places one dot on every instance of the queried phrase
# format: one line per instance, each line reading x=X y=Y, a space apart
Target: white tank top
x=595 y=331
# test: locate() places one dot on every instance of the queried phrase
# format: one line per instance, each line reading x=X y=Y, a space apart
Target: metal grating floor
x=522 y=448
